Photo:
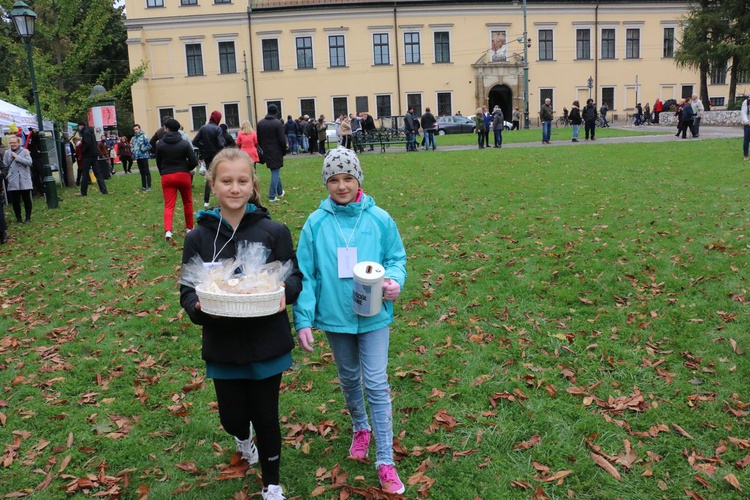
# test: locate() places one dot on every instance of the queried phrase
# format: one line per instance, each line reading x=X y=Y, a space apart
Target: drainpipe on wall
x=398 y=63
x=253 y=93
x=596 y=53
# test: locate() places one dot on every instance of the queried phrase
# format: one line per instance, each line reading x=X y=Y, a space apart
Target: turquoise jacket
x=326 y=300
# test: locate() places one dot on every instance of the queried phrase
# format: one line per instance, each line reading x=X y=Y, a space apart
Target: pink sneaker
x=389 y=480
x=360 y=444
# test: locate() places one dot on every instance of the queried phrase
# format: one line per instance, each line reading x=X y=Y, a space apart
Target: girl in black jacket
x=245 y=356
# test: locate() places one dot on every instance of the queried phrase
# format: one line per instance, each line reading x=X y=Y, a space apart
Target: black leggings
x=257 y=401
x=15 y=197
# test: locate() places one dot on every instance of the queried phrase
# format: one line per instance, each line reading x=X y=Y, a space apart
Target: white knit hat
x=342 y=161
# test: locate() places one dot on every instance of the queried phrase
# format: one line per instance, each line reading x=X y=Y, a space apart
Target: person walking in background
x=247 y=141
x=142 y=152
x=102 y=160
x=546 y=115
x=698 y=110
x=368 y=127
x=647 y=113
x=638 y=115
x=304 y=122
x=498 y=122
x=745 y=119
x=175 y=159
x=90 y=153
x=479 y=127
x=685 y=115
x=410 y=130
x=210 y=140
x=516 y=119
x=111 y=142
x=487 y=117
x=346 y=132
x=245 y=357
x=429 y=126
x=603 y=112
x=658 y=108
x=34 y=146
x=273 y=143
x=589 y=119
x=575 y=119
x=350 y=218
x=17 y=173
x=125 y=152
x=322 y=129
x=229 y=141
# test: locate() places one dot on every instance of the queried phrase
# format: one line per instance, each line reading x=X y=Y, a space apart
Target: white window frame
x=270 y=35
x=337 y=32
x=226 y=38
x=546 y=27
x=607 y=26
x=437 y=105
x=411 y=28
x=592 y=45
x=442 y=28
x=633 y=26
x=382 y=31
x=194 y=40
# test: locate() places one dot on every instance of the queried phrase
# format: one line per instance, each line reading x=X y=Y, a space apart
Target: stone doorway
x=501 y=95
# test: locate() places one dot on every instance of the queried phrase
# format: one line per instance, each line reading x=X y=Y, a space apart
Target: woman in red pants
x=175 y=159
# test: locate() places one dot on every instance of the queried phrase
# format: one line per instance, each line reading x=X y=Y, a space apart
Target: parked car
x=460 y=125
x=455 y=125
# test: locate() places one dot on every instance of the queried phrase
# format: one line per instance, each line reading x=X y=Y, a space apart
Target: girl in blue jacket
x=348 y=228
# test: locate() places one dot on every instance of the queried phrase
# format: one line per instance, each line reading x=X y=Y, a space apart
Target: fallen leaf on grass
x=731 y=479
x=604 y=464
x=530 y=443
x=682 y=431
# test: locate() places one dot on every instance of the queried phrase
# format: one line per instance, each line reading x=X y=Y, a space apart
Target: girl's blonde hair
x=246 y=127
x=234 y=154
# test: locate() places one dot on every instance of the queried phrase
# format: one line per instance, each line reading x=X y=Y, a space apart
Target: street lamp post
x=591 y=85
x=525 y=71
x=24 y=19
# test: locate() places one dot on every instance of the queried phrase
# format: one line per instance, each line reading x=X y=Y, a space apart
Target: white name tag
x=347 y=261
x=211 y=265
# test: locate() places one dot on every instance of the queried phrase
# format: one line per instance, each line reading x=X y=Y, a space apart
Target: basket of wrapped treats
x=243 y=287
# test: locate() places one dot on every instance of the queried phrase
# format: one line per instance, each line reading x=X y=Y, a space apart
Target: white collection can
x=367 y=297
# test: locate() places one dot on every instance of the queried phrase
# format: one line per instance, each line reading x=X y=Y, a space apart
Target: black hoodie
x=174 y=154
x=241 y=340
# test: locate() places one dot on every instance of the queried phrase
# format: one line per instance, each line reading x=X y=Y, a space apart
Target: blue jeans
x=546 y=130
x=305 y=145
x=411 y=141
x=575 y=131
x=746 y=141
x=292 y=139
x=275 y=188
x=498 y=137
x=429 y=137
x=362 y=359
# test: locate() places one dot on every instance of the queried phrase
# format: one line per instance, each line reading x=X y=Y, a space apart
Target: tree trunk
x=733 y=70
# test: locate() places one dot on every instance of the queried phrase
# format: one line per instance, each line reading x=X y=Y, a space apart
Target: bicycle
x=600 y=122
x=563 y=122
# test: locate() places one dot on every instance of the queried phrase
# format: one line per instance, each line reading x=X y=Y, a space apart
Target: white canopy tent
x=10 y=114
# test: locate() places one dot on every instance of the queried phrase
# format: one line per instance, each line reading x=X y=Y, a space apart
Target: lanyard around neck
x=354 y=229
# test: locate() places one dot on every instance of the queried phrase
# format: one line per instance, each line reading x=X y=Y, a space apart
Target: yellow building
x=330 y=57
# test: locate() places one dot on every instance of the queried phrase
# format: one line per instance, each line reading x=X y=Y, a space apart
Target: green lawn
x=573 y=325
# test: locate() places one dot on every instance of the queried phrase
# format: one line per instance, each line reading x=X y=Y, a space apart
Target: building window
x=361 y=104
x=411 y=48
x=336 y=51
x=198 y=114
x=383 y=105
x=194 y=58
x=165 y=113
x=444 y=104
x=545 y=45
x=222 y=1
x=546 y=94
x=381 y=48
x=154 y=3
x=719 y=74
x=414 y=101
x=583 y=44
x=608 y=97
x=668 y=49
x=304 y=52
x=232 y=115
x=227 y=59
x=687 y=91
x=270 y=54
x=442 y=47
x=340 y=107
x=188 y=2
x=608 y=43
x=632 y=43
x=307 y=107
x=716 y=101
x=743 y=75
x=278 y=106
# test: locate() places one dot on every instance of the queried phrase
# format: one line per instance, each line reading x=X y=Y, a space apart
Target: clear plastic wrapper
x=246 y=273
